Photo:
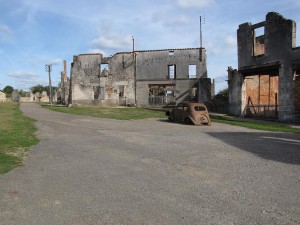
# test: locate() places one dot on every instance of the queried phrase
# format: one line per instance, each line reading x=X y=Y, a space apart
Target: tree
x=40 y=88
x=222 y=95
x=8 y=89
x=22 y=93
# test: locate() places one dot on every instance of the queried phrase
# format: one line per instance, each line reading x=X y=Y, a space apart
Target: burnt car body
x=190 y=113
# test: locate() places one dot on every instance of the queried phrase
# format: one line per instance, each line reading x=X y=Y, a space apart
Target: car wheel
x=187 y=121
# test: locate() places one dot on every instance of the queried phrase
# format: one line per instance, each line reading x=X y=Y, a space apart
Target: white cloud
x=56 y=61
x=97 y=50
x=5 y=33
x=5 y=29
x=112 y=41
x=195 y=3
x=23 y=75
x=175 y=21
x=25 y=79
x=213 y=49
x=230 y=41
x=32 y=63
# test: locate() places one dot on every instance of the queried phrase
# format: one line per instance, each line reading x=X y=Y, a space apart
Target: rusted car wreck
x=190 y=113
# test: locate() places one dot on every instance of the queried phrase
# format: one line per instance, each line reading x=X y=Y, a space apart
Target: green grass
x=125 y=113
x=16 y=134
x=138 y=113
x=258 y=125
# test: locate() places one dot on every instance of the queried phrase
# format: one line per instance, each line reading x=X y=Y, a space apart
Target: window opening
x=104 y=69
x=192 y=71
x=104 y=66
x=200 y=108
x=171 y=53
x=121 y=91
x=172 y=72
x=259 y=41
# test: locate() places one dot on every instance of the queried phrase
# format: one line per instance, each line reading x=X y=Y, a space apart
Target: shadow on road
x=281 y=147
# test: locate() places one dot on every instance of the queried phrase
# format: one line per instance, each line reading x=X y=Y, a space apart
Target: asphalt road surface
x=89 y=171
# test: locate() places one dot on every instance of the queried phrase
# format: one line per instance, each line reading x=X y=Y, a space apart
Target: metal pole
x=134 y=61
x=48 y=68
x=200 y=31
x=201 y=56
x=132 y=44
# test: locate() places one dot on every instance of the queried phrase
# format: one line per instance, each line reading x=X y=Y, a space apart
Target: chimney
x=65 y=68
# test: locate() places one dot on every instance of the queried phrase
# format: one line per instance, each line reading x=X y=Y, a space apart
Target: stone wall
x=129 y=78
x=2 y=97
x=266 y=67
x=171 y=69
x=235 y=82
x=85 y=73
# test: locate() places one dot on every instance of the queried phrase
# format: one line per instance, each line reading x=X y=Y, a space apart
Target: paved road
x=99 y=171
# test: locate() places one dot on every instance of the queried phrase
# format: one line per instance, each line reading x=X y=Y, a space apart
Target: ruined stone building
x=2 y=97
x=142 y=78
x=267 y=82
x=62 y=94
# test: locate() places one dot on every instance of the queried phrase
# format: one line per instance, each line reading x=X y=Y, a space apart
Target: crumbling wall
x=2 y=97
x=297 y=93
x=235 y=82
x=85 y=73
x=171 y=68
x=129 y=77
x=266 y=63
x=118 y=82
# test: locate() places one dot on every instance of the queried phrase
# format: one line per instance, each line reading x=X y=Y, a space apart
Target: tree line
x=8 y=90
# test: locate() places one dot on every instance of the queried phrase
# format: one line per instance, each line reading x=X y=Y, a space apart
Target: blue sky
x=38 y=32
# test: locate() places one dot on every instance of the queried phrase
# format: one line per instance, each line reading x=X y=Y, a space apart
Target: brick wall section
x=297 y=94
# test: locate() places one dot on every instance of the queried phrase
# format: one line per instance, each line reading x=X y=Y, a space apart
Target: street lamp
x=48 y=68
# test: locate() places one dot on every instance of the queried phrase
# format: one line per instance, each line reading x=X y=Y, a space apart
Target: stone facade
x=2 y=97
x=85 y=78
x=177 y=72
x=62 y=93
x=142 y=78
x=265 y=84
x=41 y=97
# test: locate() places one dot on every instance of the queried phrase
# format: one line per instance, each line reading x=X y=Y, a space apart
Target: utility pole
x=132 y=44
x=134 y=61
x=202 y=21
x=48 y=68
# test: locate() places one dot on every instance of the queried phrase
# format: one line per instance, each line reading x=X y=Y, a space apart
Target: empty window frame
x=259 y=41
x=104 y=66
x=171 y=72
x=192 y=71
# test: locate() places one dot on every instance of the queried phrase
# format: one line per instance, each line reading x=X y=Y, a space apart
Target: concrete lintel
x=257 y=69
x=258 y=25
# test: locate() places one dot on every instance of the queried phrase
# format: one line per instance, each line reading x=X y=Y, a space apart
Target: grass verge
x=110 y=113
x=138 y=113
x=16 y=134
x=258 y=125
